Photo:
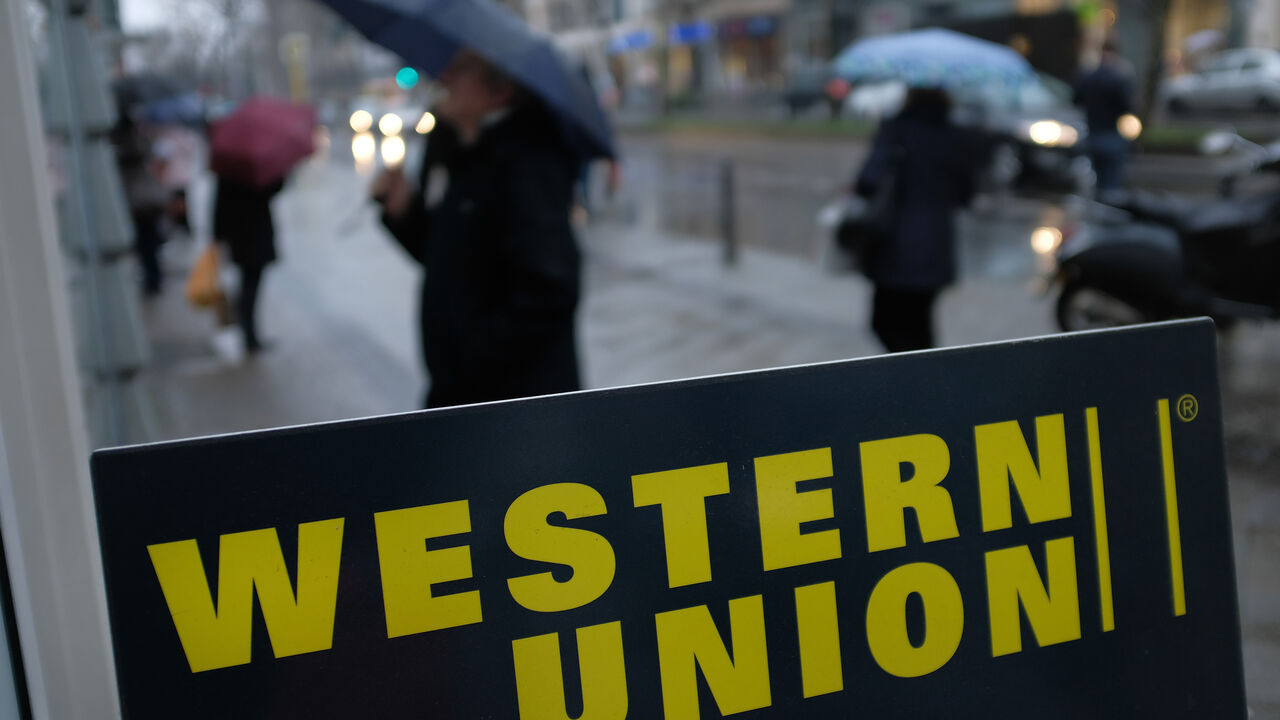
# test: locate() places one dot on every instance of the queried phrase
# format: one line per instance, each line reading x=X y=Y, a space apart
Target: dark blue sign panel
x=1031 y=529
x=634 y=40
x=758 y=26
x=694 y=33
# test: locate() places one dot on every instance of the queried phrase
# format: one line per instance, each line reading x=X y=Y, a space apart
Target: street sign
x=695 y=33
x=1027 y=529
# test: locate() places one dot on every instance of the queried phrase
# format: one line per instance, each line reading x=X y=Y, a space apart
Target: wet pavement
x=658 y=306
x=772 y=190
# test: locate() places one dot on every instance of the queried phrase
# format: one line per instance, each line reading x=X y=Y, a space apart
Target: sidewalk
x=341 y=307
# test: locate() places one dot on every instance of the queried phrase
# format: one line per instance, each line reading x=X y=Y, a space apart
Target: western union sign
x=1029 y=529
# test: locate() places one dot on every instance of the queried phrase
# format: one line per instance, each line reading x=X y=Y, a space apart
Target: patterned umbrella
x=933 y=57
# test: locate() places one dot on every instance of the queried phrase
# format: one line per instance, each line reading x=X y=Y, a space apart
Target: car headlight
x=1045 y=240
x=1129 y=126
x=1051 y=133
x=390 y=124
x=361 y=121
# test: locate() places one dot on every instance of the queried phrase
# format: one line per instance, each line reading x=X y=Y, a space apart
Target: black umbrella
x=143 y=88
x=428 y=33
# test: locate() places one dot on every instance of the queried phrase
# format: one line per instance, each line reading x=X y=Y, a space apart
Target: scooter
x=1141 y=257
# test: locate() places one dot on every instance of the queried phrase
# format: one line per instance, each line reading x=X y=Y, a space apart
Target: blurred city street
x=193 y=247
x=658 y=306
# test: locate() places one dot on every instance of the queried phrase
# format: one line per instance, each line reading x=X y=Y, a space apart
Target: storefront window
x=750 y=53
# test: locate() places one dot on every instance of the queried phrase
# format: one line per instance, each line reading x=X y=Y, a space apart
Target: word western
x=898 y=475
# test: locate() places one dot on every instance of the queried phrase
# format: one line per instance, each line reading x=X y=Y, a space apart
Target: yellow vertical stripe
x=1100 y=522
x=821 y=669
x=1171 y=511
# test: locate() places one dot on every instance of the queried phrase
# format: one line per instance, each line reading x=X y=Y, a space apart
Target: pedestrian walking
x=490 y=223
x=252 y=151
x=242 y=219
x=1106 y=94
x=918 y=174
x=141 y=171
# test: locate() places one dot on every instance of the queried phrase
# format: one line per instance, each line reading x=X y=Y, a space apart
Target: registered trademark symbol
x=1188 y=408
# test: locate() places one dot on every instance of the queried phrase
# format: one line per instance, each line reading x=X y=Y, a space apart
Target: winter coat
x=502 y=266
x=242 y=219
x=934 y=177
x=1106 y=94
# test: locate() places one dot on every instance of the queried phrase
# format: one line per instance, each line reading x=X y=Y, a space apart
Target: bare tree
x=209 y=42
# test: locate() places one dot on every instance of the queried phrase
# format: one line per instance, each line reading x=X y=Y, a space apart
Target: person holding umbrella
x=502 y=266
x=252 y=151
x=922 y=161
x=920 y=168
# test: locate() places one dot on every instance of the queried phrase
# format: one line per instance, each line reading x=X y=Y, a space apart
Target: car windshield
x=1045 y=93
x=1219 y=63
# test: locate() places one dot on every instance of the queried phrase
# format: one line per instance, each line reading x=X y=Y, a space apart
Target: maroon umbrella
x=261 y=141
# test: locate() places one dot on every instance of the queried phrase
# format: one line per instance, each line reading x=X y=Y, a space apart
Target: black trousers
x=146 y=242
x=247 y=304
x=903 y=319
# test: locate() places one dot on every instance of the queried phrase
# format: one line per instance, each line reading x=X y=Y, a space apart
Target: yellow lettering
x=1012 y=579
x=247 y=562
x=821 y=668
x=682 y=494
x=530 y=536
x=887 y=495
x=887 y=621
x=688 y=640
x=409 y=569
x=601 y=664
x=1003 y=454
x=782 y=509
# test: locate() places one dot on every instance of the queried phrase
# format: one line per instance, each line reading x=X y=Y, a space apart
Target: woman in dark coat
x=242 y=220
x=502 y=266
x=930 y=164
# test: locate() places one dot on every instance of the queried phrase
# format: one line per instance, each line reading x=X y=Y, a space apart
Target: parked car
x=1231 y=80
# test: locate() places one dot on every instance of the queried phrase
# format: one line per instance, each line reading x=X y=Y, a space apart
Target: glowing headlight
x=1045 y=240
x=1051 y=133
x=426 y=123
x=1045 y=132
x=392 y=151
x=1129 y=126
x=363 y=147
x=390 y=124
x=361 y=121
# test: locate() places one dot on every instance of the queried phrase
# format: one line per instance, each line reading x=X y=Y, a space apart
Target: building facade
x=665 y=53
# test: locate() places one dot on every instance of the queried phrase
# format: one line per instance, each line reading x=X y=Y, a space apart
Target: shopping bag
x=850 y=236
x=203 y=287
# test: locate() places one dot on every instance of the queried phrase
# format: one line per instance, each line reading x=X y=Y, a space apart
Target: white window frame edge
x=46 y=508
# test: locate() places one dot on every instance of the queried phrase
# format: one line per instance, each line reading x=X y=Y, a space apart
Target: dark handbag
x=865 y=229
x=885 y=201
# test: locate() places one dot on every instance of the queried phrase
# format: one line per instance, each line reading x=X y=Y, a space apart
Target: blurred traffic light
x=406 y=78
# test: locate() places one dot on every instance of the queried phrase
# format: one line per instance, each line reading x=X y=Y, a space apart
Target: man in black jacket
x=1106 y=94
x=502 y=266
